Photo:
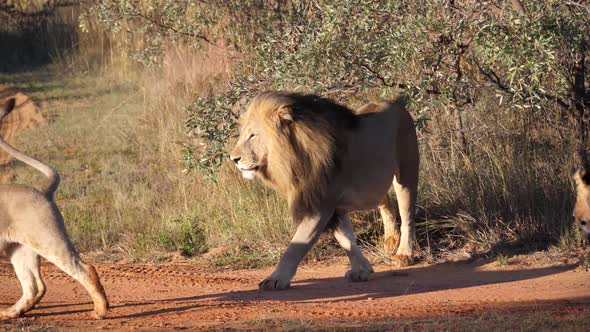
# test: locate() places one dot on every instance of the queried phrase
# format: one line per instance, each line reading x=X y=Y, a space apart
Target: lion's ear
x=239 y=107
x=582 y=177
x=284 y=115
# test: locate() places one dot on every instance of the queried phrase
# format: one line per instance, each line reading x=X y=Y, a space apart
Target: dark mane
x=309 y=107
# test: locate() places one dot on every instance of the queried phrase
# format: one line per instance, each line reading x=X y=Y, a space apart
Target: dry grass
x=511 y=188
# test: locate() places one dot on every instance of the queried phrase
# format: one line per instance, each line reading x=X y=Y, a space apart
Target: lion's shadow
x=381 y=285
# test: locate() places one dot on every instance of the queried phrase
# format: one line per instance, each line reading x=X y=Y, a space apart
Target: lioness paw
x=101 y=311
x=99 y=315
x=9 y=314
x=272 y=283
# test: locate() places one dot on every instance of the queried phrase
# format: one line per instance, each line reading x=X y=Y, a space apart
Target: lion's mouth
x=248 y=168
x=249 y=171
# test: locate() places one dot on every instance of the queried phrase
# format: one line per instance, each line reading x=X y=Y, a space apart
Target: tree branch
x=382 y=79
x=495 y=79
x=398 y=85
x=161 y=25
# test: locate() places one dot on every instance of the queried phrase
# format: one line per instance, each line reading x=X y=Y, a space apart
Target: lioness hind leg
x=390 y=225
x=360 y=268
x=26 y=266
x=36 y=271
x=86 y=275
x=54 y=246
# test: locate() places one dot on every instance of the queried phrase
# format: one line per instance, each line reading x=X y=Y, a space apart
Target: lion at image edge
x=582 y=207
x=329 y=161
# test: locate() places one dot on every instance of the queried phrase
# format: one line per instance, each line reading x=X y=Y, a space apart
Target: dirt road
x=165 y=296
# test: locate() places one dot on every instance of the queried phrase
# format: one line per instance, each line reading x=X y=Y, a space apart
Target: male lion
x=31 y=225
x=329 y=161
x=582 y=208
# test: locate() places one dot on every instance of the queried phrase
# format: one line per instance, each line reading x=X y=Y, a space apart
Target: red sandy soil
x=176 y=295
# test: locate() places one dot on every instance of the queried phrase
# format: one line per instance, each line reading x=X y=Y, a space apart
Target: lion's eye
x=251 y=136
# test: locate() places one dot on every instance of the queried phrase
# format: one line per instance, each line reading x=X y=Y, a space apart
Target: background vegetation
x=499 y=90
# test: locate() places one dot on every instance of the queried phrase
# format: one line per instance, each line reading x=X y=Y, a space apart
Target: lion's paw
x=403 y=260
x=359 y=275
x=360 y=272
x=274 y=283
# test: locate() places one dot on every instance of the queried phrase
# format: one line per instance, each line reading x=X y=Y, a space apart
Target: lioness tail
x=51 y=174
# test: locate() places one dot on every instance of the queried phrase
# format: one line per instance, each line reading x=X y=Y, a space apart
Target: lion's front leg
x=360 y=268
x=309 y=230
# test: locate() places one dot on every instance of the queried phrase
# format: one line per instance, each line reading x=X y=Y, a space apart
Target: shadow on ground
x=381 y=285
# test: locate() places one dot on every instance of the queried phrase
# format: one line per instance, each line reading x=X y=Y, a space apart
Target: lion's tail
x=52 y=175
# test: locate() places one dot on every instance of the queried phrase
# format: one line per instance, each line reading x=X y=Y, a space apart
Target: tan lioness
x=582 y=208
x=329 y=161
x=32 y=226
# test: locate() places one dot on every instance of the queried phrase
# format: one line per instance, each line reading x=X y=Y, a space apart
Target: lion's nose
x=235 y=159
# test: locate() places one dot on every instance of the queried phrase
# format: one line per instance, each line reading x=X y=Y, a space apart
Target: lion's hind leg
x=390 y=225
x=360 y=268
x=406 y=193
x=405 y=184
x=26 y=266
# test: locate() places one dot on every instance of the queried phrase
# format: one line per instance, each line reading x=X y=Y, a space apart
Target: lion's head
x=582 y=208
x=291 y=142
